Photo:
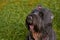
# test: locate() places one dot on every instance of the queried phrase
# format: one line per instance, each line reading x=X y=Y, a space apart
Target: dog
x=39 y=24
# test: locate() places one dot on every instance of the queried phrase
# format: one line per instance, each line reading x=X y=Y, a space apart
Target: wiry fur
x=41 y=19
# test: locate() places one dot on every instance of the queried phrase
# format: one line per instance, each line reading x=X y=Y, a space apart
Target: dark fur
x=42 y=22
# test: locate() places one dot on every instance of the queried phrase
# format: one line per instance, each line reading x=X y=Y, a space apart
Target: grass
x=14 y=12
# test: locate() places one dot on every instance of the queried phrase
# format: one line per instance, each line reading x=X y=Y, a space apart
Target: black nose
x=29 y=19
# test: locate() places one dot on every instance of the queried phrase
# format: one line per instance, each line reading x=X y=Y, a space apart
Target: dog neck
x=37 y=35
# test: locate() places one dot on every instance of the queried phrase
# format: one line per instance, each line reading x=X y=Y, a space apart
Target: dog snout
x=29 y=19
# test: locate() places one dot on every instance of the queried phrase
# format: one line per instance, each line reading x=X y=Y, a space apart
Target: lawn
x=14 y=12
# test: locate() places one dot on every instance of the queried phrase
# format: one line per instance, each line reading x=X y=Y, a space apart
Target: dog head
x=34 y=20
x=38 y=18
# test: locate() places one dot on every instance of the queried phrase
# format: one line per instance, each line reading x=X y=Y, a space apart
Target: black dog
x=39 y=24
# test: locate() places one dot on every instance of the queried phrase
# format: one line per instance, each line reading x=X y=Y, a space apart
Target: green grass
x=14 y=12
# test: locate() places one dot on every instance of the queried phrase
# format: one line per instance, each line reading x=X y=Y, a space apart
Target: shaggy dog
x=39 y=24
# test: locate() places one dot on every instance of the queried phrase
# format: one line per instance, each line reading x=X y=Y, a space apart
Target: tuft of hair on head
x=39 y=7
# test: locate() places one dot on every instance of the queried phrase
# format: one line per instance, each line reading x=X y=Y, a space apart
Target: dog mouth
x=34 y=28
x=31 y=28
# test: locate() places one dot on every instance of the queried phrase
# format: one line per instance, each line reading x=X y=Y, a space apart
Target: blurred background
x=14 y=12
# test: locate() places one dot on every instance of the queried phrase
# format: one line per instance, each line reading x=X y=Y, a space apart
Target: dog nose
x=29 y=19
